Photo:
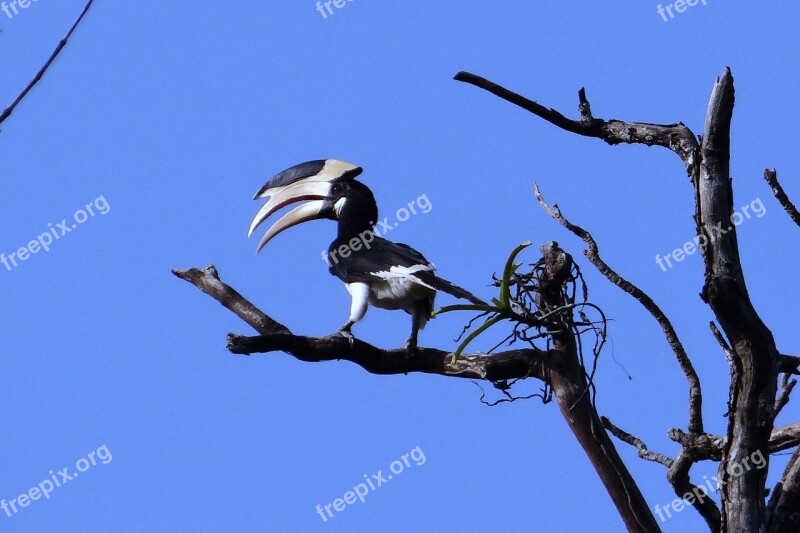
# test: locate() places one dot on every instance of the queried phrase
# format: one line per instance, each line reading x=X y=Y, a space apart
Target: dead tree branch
x=637 y=443
x=207 y=280
x=750 y=422
x=513 y=364
x=277 y=338
x=771 y=177
x=678 y=477
x=559 y=367
x=785 y=438
x=784 y=505
x=10 y=109
x=593 y=254
x=787 y=386
x=678 y=474
x=707 y=447
x=721 y=340
x=570 y=385
x=788 y=364
x=676 y=137
x=700 y=447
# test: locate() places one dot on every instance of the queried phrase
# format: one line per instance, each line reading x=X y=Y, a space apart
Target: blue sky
x=176 y=116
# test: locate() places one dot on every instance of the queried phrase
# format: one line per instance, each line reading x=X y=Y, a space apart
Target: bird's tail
x=435 y=282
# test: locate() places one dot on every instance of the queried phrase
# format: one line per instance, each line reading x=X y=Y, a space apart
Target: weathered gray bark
x=785 y=503
x=754 y=351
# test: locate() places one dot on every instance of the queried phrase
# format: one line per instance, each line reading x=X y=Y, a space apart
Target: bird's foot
x=345 y=332
x=411 y=347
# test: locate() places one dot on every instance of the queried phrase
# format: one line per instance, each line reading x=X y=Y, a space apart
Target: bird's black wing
x=383 y=257
x=441 y=284
x=353 y=265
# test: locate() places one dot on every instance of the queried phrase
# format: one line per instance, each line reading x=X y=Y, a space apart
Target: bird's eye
x=336 y=189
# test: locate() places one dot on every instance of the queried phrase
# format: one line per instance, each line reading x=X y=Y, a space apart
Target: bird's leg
x=411 y=343
x=345 y=332
x=358 y=308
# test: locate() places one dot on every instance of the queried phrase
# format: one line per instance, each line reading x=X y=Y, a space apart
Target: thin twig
x=637 y=443
x=721 y=340
x=10 y=109
x=786 y=391
x=771 y=177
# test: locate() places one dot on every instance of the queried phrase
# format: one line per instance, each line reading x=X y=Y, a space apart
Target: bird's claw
x=347 y=335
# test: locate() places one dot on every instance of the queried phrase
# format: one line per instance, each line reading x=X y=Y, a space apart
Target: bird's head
x=332 y=193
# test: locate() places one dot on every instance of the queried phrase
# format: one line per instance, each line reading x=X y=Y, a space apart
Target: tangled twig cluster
x=534 y=314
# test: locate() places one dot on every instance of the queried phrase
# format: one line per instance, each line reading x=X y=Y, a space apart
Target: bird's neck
x=354 y=227
x=357 y=217
x=351 y=238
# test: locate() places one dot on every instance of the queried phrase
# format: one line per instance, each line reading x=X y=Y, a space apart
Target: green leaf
x=464 y=307
x=472 y=336
x=511 y=267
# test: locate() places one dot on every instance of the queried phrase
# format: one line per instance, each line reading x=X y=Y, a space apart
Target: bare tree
x=549 y=304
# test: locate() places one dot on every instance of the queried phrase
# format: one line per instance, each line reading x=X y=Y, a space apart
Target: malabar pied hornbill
x=375 y=271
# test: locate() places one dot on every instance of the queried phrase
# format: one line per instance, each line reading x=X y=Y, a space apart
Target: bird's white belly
x=398 y=293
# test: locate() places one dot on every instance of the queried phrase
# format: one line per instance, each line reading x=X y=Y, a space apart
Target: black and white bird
x=375 y=271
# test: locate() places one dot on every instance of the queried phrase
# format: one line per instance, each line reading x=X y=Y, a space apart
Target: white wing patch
x=400 y=271
x=399 y=288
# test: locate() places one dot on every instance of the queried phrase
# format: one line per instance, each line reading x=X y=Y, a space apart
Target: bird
x=375 y=271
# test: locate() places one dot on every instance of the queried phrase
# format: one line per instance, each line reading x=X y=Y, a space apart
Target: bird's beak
x=280 y=197
x=298 y=215
x=306 y=181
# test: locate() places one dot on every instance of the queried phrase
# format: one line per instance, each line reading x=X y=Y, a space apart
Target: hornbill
x=375 y=271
